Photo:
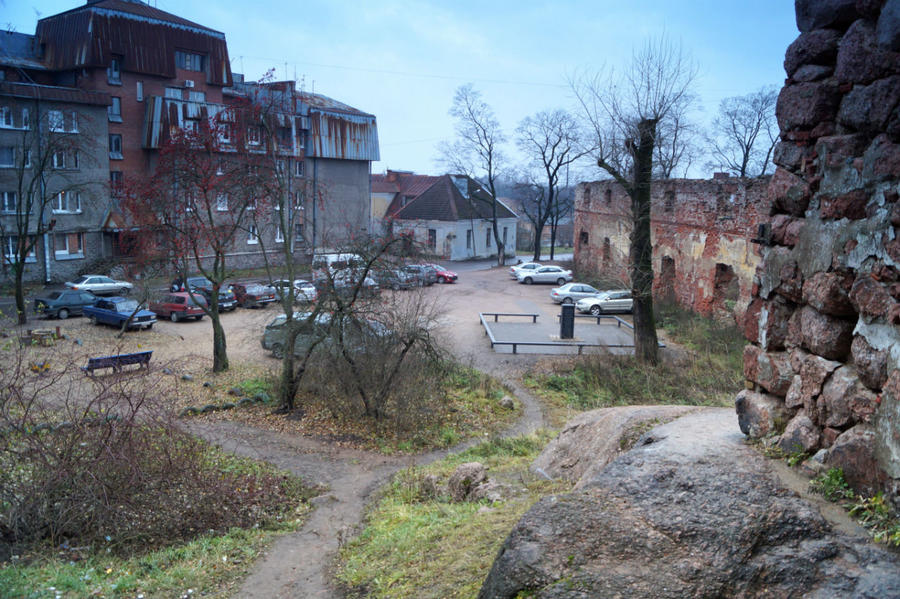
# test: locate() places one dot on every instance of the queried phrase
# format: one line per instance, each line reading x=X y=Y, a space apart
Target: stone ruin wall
x=703 y=256
x=823 y=363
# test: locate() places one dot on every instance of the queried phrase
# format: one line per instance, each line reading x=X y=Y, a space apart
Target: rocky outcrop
x=827 y=290
x=690 y=511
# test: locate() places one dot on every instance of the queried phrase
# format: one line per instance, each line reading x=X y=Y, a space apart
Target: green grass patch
x=420 y=544
x=873 y=513
x=709 y=373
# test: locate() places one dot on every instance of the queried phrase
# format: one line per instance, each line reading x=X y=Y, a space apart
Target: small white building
x=453 y=217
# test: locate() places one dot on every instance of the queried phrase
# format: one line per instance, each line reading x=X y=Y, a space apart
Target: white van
x=335 y=262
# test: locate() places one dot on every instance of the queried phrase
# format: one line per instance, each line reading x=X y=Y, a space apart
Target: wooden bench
x=116 y=362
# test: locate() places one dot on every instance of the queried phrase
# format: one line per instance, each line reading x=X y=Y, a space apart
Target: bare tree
x=745 y=133
x=477 y=149
x=626 y=111
x=677 y=142
x=42 y=175
x=552 y=140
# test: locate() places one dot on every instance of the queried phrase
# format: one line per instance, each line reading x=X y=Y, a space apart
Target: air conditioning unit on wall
x=188 y=83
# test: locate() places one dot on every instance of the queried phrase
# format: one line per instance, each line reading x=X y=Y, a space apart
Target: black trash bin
x=567 y=322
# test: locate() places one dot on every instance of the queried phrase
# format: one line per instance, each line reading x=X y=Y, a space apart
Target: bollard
x=567 y=322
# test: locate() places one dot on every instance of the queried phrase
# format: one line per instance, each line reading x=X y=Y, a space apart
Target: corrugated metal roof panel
x=343 y=136
x=53 y=93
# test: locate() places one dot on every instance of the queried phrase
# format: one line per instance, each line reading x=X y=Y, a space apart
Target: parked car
x=304 y=291
x=100 y=285
x=204 y=287
x=62 y=304
x=572 y=292
x=178 y=306
x=394 y=278
x=116 y=310
x=443 y=275
x=424 y=274
x=545 y=274
x=253 y=295
x=357 y=334
x=345 y=281
x=616 y=300
x=528 y=266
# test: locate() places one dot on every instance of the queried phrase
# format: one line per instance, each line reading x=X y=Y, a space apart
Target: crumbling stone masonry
x=823 y=363
x=703 y=256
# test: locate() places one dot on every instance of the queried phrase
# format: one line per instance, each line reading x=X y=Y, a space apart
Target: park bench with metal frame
x=142 y=359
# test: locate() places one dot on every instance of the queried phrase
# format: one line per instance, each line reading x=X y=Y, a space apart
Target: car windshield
x=255 y=289
x=54 y=295
x=81 y=280
x=199 y=282
x=126 y=307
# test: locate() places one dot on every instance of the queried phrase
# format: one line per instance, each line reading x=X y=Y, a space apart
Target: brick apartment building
x=136 y=73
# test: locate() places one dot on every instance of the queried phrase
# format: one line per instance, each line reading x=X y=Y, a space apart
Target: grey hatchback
x=63 y=304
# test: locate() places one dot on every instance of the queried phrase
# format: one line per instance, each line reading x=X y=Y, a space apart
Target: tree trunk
x=220 y=356
x=552 y=241
x=289 y=380
x=538 y=233
x=21 y=315
x=645 y=341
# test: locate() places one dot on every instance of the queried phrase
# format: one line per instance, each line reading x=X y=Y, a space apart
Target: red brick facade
x=703 y=255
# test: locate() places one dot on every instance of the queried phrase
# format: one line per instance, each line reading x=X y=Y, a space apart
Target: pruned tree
x=744 y=133
x=677 y=144
x=41 y=177
x=477 y=150
x=199 y=201
x=563 y=207
x=626 y=112
x=551 y=141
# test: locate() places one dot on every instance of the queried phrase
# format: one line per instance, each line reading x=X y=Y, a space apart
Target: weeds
x=873 y=513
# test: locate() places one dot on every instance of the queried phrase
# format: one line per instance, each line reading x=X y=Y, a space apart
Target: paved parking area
x=517 y=334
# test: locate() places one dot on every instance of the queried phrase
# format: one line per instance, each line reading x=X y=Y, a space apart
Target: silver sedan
x=545 y=274
x=100 y=285
x=571 y=292
x=618 y=300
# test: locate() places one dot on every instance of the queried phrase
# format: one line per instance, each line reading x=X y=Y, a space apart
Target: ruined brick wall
x=823 y=366
x=703 y=257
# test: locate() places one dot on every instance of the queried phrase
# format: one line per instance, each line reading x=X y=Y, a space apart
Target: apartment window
x=432 y=238
x=469 y=239
x=65 y=160
x=115 y=146
x=174 y=93
x=66 y=202
x=114 y=71
x=72 y=124
x=224 y=133
x=27 y=158
x=222 y=202
x=26 y=119
x=6 y=119
x=69 y=246
x=189 y=61
x=8 y=201
x=254 y=138
x=197 y=96
x=298 y=200
x=115 y=178
x=115 y=110
x=10 y=245
x=279 y=234
x=139 y=91
x=487 y=238
x=279 y=166
x=252 y=235
x=298 y=168
x=56 y=121
x=7 y=156
x=298 y=232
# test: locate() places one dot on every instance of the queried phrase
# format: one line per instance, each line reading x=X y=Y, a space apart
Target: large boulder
x=825 y=335
x=593 y=439
x=694 y=512
x=760 y=414
x=465 y=479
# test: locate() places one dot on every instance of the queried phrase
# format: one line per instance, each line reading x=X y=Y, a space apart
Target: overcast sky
x=402 y=60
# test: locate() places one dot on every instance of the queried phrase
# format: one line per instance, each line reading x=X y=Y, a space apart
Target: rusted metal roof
x=342 y=136
x=145 y=37
x=162 y=113
x=52 y=93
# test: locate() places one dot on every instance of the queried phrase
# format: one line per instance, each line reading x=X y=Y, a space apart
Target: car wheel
x=596 y=310
x=149 y=326
x=568 y=300
x=278 y=351
x=94 y=320
x=124 y=291
x=528 y=281
x=173 y=316
x=395 y=286
x=62 y=314
x=199 y=318
x=560 y=281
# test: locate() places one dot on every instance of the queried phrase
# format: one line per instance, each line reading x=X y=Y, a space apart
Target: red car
x=178 y=305
x=253 y=295
x=444 y=275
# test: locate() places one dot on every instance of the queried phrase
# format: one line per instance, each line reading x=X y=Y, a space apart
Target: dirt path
x=297 y=565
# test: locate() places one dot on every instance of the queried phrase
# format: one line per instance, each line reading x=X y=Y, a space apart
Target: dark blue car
x=62 y=304
x=116 y=310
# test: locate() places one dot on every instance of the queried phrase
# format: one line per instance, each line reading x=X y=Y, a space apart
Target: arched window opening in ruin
x=583 y=238
x=608 y=195
x=607 y=251
x=669 y=201
x=666 y=280
x=587 y=195
x=726 y=286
